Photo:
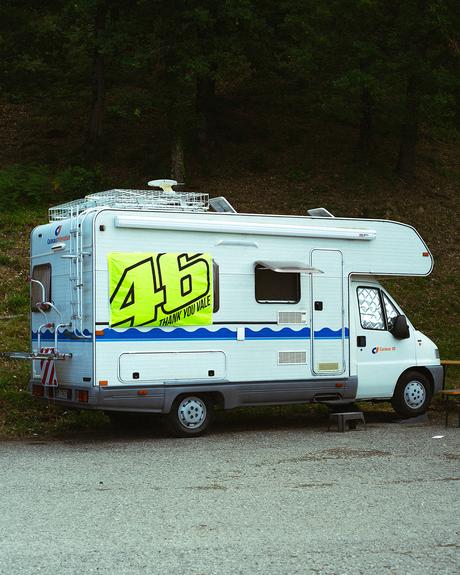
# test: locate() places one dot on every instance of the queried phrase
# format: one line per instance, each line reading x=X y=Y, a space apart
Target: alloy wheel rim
x=192 y=412
x=414 y=394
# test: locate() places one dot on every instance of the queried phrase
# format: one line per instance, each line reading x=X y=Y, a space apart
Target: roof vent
x=320 y=213
x=222 y=205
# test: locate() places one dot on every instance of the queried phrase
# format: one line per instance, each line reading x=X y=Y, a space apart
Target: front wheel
x=190 y=416
x=412 y=395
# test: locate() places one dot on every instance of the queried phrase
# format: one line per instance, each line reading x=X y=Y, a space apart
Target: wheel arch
x=420 y=369
x=216 y=397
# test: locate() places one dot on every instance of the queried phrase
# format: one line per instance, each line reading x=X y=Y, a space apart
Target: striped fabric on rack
x=48 y=370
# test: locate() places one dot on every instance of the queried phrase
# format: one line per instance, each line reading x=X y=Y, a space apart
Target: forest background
x=280 y=106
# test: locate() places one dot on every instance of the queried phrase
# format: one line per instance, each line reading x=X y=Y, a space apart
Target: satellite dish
x=165 y=185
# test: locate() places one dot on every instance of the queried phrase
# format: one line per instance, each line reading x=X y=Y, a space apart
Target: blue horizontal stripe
x=204 y=334
x=181 y=334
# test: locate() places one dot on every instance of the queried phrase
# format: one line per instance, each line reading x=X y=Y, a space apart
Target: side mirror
x=400 y=329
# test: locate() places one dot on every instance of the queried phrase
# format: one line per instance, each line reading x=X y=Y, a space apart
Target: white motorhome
x=168 y=302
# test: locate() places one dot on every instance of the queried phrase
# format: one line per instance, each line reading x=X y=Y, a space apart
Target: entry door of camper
x=328 y=333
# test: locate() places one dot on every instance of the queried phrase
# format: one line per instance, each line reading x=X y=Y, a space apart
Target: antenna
x=165 y=185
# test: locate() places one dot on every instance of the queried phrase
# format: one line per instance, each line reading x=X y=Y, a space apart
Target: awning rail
x=288 y=267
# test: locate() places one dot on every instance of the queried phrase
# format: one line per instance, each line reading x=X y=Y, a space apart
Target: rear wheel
x=412 y=395
x=190 y=415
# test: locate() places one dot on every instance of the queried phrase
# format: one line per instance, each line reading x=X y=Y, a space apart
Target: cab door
x=381 y=358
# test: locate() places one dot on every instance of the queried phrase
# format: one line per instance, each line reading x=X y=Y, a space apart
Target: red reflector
x=38 y=390
x=142 y=392
x=339 y=385
x=426 y=254
x=82 y=395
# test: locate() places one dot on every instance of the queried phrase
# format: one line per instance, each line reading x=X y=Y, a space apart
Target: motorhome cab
x=168 y=302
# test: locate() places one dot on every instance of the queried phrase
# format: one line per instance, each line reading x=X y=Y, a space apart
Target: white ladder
x=76 y=256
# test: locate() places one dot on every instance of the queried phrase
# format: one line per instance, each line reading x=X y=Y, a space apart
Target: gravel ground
x=251 y=497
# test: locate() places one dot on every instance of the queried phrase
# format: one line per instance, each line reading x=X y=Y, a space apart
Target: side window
x=370 y=308
x=42 y=273
x=215 y=284
x=390 y=310
x=276 y=287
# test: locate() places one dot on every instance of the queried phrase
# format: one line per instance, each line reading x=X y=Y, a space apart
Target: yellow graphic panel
x=160 y=289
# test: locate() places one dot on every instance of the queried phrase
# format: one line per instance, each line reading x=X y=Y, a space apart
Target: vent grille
x=292 y=357
x=292 y=317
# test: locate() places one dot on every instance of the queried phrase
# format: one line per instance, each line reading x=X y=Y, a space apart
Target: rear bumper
x=437 y=373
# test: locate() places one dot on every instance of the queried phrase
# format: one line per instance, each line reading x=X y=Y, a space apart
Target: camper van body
x=324 y=335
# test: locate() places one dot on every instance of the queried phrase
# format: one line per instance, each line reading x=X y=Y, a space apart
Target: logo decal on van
x=379 y=348
x=57 y=236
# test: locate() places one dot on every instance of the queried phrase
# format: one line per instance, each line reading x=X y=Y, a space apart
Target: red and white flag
x=48 y=370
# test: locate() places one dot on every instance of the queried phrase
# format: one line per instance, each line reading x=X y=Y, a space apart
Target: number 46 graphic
x=160 y=289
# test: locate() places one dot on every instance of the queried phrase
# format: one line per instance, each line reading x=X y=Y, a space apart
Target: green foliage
x=24 y=184
x=17 y=302
x=76 y=182
x=28 y=184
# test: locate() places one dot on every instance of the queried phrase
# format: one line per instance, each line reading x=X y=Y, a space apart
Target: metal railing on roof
x=159 y=200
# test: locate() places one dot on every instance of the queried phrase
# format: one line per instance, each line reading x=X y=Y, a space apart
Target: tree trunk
x=405 y=166
x=366 y=126
x=177 y=158
x=98 y=97
x=205 y=108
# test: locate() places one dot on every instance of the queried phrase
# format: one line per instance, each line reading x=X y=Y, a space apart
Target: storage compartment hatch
x=172 y=365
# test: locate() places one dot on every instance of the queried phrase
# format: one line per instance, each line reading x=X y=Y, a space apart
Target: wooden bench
x=450 y=393
x=455 y=394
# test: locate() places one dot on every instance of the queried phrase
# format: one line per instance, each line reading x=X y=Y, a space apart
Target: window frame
x=48 y=289
x=288 y=302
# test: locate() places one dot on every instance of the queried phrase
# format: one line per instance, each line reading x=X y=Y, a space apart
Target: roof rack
x=164 y=199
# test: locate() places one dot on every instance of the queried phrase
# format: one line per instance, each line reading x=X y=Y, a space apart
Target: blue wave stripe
x=66 y=335
x=181 y=334
x=328 y=333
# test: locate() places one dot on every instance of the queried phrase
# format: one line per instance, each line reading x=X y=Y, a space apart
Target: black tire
x=190 y=415
x=412 y=394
